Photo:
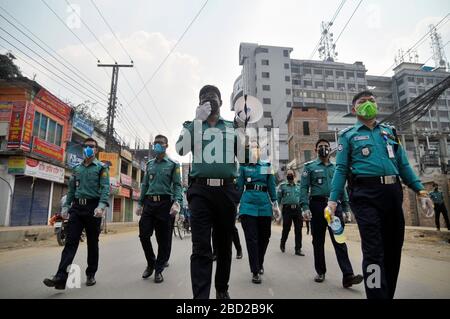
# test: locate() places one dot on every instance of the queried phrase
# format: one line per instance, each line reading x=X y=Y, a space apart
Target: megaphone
x=248 y=109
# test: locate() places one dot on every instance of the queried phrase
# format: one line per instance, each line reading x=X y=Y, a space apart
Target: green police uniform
x=316 y=181
x=289 y=194
x=162 y=178
x=437 y=197
x=375 y=160
x=255 y=202
x=89 y=182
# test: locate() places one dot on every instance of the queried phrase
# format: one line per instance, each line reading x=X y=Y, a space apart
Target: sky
x=208 y=52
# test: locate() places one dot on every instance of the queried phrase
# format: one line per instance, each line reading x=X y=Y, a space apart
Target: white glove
x=99 y=212
x=348 y=217
x=238 y=207
x=175 y=209
x=138 y=211
x=65 y=212
x=276 y=211
x=331 y=208
x=307 y=215
x=203 y=111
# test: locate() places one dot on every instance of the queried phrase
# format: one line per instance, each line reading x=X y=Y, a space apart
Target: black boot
x=55 y=282
x=147 y=272
x=351 y=280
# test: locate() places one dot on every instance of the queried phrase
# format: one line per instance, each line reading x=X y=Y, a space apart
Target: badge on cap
x=249 y=179
x=365 y=151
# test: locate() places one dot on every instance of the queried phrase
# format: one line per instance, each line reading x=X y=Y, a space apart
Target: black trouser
x=379 y=214
x=438 y=209
x=81 y=217
x=290 y=216
x=236 y=240
x=155 y=217
x=319 y=227
x=257 y=234
x=211 y=207
x=172 y=222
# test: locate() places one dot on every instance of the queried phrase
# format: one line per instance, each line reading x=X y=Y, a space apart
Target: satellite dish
x=254 y=109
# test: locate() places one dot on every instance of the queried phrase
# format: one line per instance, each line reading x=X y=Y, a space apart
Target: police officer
x=212 y=194
x=258 y=202
x=86 y=202
x=315 y=190
x=160 y=199
x=439 y=207
x=372 y=158
x=289 y=196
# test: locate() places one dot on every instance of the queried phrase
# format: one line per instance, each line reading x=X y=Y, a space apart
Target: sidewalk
x=11 y=235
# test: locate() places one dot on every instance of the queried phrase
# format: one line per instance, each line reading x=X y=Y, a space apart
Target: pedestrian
x=370 y=156
x=439 y=207
x=212 y=193
x=289 y=196
x=315 y=191
x=85 y=206
x=160 y=200
x=258 y=203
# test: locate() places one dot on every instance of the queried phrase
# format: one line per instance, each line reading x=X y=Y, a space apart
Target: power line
x=336 y=13
x=171 y=51
x=348 y=21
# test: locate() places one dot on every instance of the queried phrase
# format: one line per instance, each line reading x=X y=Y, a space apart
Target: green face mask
x=367 y=110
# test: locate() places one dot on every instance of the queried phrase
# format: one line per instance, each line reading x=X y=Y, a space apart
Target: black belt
x=376 y=180
x=323 y=199
x=291 y=206
x=255 y=187
x=86 y=201
x=213 y=181
x=158 y=198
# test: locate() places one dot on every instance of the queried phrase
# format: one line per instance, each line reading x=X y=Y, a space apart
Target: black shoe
x=90 y=281
x=299 y=253
x=159 y=277
x=222 y=295
x=282 y=247
x=351 y=280
x=261 y=271
x=55 y=282
x=256 y=279
x=239 y=254
x=147 y=272
x=166 y=265
x=319 y=278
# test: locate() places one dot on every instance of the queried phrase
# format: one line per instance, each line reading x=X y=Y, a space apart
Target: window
x=304 y=109
x=351 y=87
x=412 y=90
x=419 y=80
x=308 y=83
x=287 y=78
x=265 y=62
x=329 y=73
x=361 y=87
x=429 y=81
x=411 y=79
x=330 y=85
x=286 y=53
x=287 y=66
x=264 y=50
x=317 y=72
x=307 y=154
x=340 y=86
x=51 y=131
x=134 y=173
x=318 y=84
x=295 y=70
x=43 y=127
x=58 y=137
x=400 y=81
x=401 y=93
x=265 y=75
x=296 y=82
x=124 y=167
x=268 y=114
x=37 y=120
x=350 y=75
x=307 y=71
x=360 y=75
x=266 y=87
x=288 y=91
x=340 y=74
x=305 y=128
x=266 y=101
x=288 y=104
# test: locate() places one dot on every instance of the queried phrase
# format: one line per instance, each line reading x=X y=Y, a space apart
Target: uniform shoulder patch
x=187 y=123
x=310 y=162
x=345 y=131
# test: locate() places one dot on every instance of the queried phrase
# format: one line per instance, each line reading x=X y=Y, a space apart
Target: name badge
x=390 y=150
x=361 y=138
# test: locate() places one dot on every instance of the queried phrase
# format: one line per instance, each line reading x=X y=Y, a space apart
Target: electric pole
x=112 y=102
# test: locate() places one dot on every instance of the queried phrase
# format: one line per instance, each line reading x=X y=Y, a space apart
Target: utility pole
x=112 y=101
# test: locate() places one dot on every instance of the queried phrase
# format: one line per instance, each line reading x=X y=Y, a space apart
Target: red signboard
x=28 y=127
x=125 y=180
x=5 y=111
x=52 y=104
x=125 y=192
x=47 y=149
x=16 y=125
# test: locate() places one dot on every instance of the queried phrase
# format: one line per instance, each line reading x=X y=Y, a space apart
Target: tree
x=8 y=69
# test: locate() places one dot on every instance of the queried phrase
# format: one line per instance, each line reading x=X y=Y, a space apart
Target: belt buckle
x=82 y=201
x=214 y=182
x=155 y=198
x=293 y=206
x=390 y=179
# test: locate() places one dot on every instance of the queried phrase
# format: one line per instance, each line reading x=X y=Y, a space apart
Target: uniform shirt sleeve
x=176 y=184
x=345 y=201
x=71 y=192
x=272 y=187
x=185 y=141
x=340 y=174
x=144 y=188
x=305 y=183
x=406 y=172
x=104 y=186
x=280 y=193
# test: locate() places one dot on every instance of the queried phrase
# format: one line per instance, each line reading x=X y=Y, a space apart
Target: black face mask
x=323 y=152
x=290 y=177
x=436 y=189
x=214 y=105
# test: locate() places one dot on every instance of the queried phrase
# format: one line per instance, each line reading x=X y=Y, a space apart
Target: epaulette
x=345 y=130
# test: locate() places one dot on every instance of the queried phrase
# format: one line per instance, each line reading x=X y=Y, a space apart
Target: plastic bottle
x=336 y=226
